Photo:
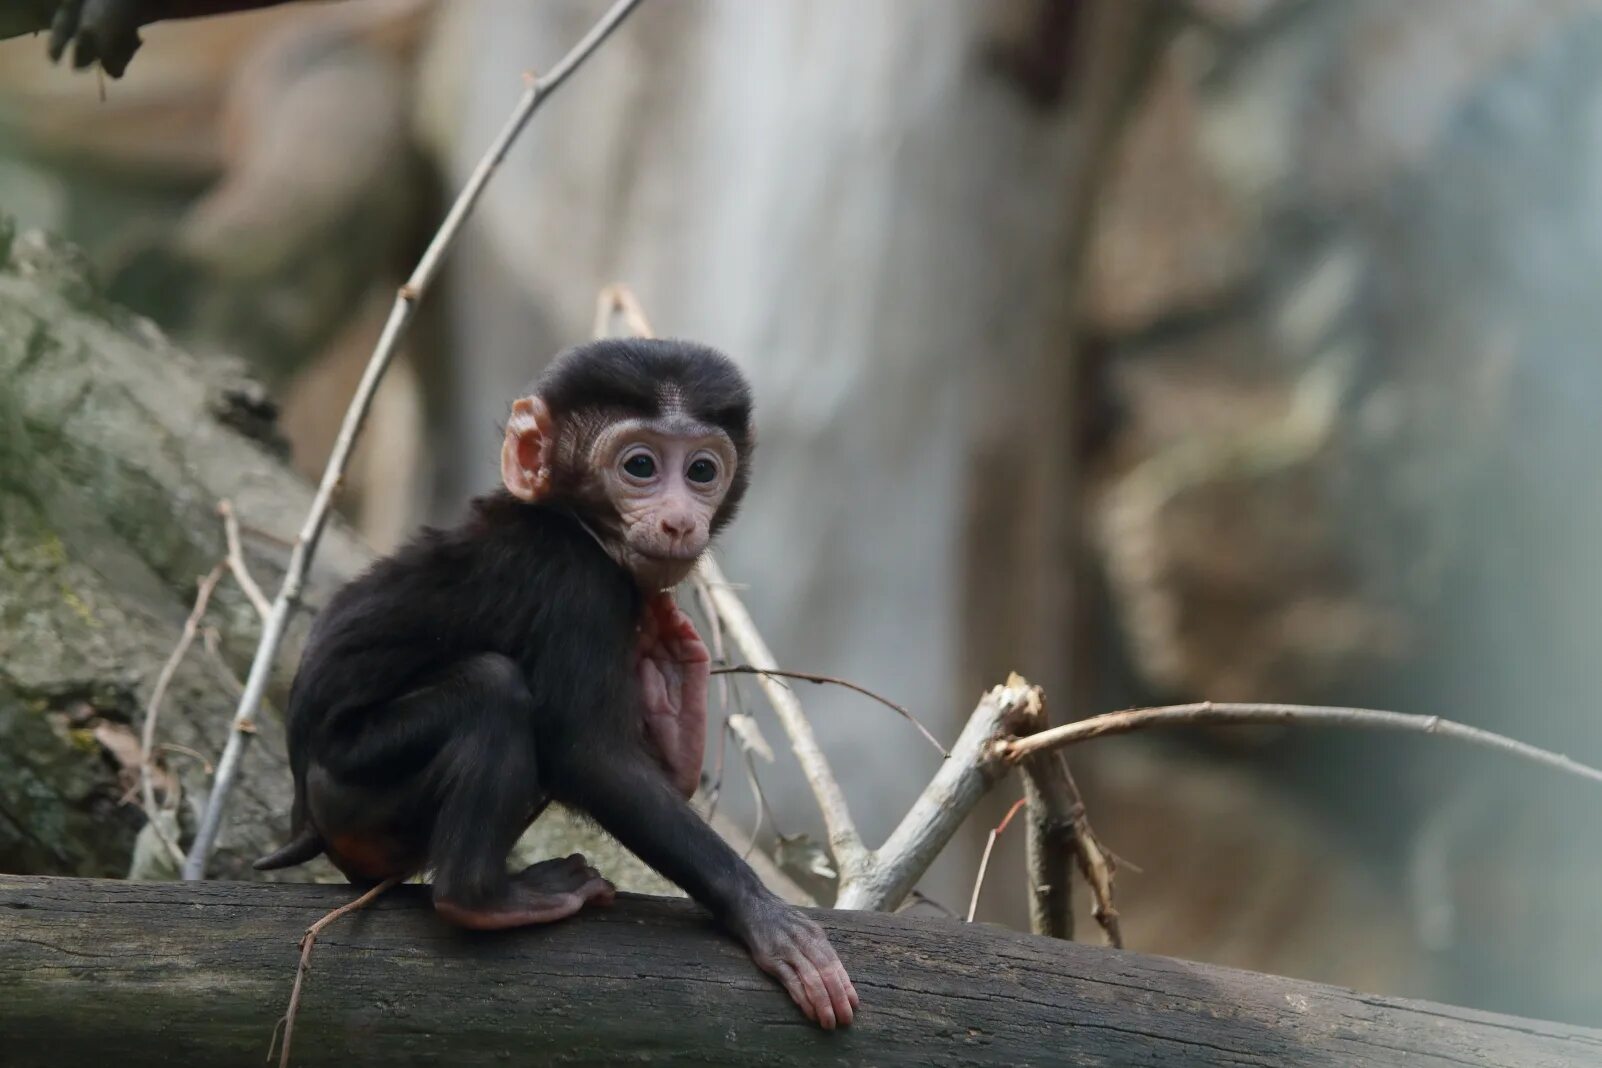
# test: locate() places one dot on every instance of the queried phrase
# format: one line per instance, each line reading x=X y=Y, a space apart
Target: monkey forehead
x=651 y=377
x=674 y=425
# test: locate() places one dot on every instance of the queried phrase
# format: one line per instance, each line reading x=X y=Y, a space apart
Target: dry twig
x=147 y=734
x=984 y=859
x=236 y=561
x=307 y=940
x=1059 y=830
x=400 y=317
x=619 y=300
x=807 y=676
x=1209 y=713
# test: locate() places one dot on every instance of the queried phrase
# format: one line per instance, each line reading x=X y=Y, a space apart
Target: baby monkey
x=534 y=653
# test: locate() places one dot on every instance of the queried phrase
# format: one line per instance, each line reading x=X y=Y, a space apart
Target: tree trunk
x=132 y=974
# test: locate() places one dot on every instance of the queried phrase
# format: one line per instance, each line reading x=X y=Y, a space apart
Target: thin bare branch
x=194 y=754
x=400 y=317
x=308 y=940
x=807 y=676
x=618 y=299
x=147 y=734
x=1209 y=713
x=849 y=852
x=236 y=560
x=984 y=859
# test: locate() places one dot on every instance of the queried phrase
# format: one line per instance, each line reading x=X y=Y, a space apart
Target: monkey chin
x=656 y=573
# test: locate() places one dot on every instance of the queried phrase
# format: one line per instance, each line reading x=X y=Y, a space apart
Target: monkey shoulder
x=524 y=581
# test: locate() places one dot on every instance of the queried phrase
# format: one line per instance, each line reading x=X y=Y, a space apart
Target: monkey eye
x=640 y=465
x=702 y=470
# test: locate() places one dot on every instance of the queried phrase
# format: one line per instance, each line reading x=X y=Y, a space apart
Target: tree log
x=101 y=972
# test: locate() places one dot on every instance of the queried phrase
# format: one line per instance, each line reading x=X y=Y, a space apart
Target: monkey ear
x=525 y=461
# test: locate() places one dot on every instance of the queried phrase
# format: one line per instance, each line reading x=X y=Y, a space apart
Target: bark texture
x=103 y=972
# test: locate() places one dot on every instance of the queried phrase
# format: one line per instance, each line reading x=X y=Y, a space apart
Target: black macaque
x=107 y=31
x=535 y=653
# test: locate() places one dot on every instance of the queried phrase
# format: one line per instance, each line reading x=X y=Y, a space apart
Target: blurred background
x=1159 y=350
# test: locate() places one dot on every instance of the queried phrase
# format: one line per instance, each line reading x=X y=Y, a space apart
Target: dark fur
x=459 y=685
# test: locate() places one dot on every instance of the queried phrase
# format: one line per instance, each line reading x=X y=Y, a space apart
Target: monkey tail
x=303 y=847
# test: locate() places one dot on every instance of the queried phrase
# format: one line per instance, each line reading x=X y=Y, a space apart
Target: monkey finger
x=817 y=993
x=791 y=982
x=842 y=995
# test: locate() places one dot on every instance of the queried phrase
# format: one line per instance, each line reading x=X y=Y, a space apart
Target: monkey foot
x=541 y=893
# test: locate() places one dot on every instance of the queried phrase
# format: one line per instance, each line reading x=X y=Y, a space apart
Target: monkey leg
x=486 y=780
x=446 y=777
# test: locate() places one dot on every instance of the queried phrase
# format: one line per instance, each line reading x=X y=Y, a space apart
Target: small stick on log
x=307 y=941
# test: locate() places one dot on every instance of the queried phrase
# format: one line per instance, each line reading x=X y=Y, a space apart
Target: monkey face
x=666 y=479
x=649 y=488
x=647 y=442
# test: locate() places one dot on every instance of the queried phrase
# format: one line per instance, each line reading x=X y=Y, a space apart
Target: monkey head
x=647 y=441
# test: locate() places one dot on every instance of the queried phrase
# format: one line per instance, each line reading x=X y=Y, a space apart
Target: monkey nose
x=677 y=526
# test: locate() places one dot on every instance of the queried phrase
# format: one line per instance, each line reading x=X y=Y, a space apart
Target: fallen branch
x=144 y=974
x=400 y=316
x=1209 y=713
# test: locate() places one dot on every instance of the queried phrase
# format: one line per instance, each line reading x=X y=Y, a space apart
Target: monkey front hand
x=674 y=668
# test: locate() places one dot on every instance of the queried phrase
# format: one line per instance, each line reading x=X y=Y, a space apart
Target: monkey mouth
x=659 y=555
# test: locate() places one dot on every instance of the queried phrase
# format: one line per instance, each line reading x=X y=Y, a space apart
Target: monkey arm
x=632 y=799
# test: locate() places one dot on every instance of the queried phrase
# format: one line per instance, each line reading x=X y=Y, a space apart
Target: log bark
x=157 y=973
